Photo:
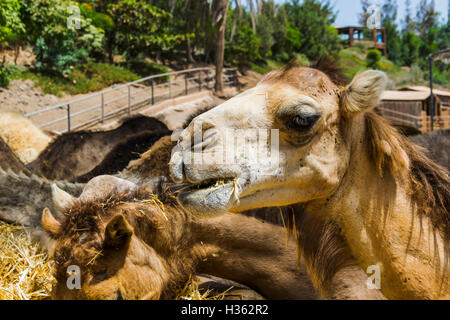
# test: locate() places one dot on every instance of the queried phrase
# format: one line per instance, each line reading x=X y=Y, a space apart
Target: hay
x=191 y=291
x=26 y=272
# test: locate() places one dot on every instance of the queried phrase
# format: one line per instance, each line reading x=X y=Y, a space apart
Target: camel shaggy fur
x=8 y=160
x=338 y=158
x=22 y=136
x=130 y=247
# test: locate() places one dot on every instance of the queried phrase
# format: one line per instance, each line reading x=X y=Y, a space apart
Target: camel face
x=301 y=112
x=107 y=247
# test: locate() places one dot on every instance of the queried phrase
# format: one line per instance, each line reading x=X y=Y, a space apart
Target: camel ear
x=61 y=199
x=118 y=232
x=363 y=93
x=49 y=223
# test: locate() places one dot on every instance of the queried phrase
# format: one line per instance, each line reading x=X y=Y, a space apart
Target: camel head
x=279 y=143
x=116 y=247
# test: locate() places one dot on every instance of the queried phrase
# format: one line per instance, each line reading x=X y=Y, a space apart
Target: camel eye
x=304 y=122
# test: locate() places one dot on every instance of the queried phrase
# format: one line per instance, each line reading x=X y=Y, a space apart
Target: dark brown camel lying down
x=77 y=153
x=131 y=246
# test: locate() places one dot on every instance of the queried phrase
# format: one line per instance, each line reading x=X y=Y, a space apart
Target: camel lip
x=210 y=201
x=209 y=184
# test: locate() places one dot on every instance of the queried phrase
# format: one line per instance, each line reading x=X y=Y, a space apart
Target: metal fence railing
x=77 y=113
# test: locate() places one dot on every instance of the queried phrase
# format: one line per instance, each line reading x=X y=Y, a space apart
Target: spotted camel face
x=278 y=143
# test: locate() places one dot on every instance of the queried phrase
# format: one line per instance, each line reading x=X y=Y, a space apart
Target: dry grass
x=191 y=292
x=25 y=270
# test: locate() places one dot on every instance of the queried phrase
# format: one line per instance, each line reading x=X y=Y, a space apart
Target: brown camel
x=77 y=153
x=132 y=246
x=328 y=151
x=8 y=159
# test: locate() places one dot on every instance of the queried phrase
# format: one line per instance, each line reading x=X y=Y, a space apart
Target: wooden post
x=424 y=128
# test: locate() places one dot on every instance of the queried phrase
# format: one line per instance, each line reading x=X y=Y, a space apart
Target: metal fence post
x=68 y=117
x=199 y=81
x=129 y=101
x=103 y=108
x=153 y=92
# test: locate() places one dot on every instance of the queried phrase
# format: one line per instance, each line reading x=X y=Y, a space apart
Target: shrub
x=4 y=75
x=59 y=48
x=144 y=68
x=373 y=58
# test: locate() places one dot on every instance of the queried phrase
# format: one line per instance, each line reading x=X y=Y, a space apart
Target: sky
x=348 y=10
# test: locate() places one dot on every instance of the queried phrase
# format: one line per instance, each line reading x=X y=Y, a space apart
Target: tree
x=309 y=28
x=220 y=19
x=59 y=48
x=271 y=28
x=427 y=27
x=141 y=28
x=364 y=15
x=410 y=48
x=244 y=48
x=409 y=25
x=389 y=16
x=11 y=25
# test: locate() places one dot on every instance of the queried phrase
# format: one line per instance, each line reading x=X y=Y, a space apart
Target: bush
x=58 y=47
x=145 y=69
x=4 y=75
x=244 y=48
x=83 y=78
x=373 y=58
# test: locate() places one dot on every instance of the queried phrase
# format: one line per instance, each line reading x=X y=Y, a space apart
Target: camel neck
x=251 y=252
x=382 y=228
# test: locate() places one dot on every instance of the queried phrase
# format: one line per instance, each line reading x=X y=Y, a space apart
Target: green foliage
x=244 y=47
x=410 y=48
x=4 y=75
x=83 y=79
x=140 y=28
x=373 y=58
x=98 y=19
x=11 y=26
x=264 y=66
x=309 y=31
x=58 y=47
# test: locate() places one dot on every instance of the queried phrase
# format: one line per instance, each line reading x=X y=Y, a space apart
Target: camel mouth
x=209 y=198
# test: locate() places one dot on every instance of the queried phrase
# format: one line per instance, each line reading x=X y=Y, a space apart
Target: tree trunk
x=252 y=15
x=220 y=18
x=189 y=57
x=237 y=15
